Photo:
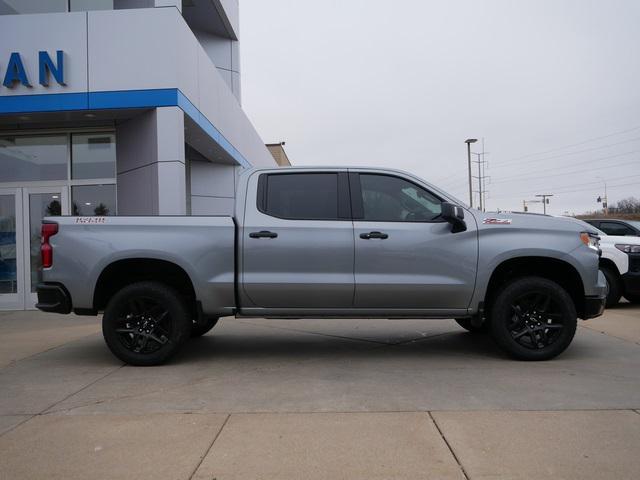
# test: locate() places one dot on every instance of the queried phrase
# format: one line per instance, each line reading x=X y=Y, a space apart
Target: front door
x=21 y=213
x=297 y=241
x=405 y=255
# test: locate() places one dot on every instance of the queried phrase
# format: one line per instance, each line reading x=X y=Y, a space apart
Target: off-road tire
x=511 y=315
x=168 y=321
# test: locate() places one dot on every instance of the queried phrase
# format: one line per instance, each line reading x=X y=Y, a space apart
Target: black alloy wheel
x=145 y=323
x=536 y=321
x=533 y=318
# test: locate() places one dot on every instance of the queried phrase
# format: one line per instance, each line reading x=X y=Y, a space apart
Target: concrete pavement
x=318 y=399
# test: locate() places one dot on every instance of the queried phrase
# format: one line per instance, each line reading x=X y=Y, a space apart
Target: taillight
x=46 y=251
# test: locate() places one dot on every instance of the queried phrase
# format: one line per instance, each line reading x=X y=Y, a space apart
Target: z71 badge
x=497 y=221
x=91 y=220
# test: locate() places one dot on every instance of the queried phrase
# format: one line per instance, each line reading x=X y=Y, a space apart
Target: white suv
x=620 y=263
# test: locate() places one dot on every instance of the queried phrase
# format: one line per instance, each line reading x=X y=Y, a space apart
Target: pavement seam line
x=355 y=339
x=90 y=384
x=17 y=425
x=593 y=329
x=224 y=424
x=455 y=457
x=12 y=363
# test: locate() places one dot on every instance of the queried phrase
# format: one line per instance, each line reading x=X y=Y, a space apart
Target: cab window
x=299 y=196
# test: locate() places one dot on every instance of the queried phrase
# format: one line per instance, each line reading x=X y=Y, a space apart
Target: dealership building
x=127 y=107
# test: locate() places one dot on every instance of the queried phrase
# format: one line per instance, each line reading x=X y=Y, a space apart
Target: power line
x=577 y=144
x=632 y=162
x=519 y=194
x=514 y=161
x=528 y=176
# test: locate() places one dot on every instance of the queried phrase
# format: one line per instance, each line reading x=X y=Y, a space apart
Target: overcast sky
x=403 y=83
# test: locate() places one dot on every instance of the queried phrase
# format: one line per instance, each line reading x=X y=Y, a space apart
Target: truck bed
x=202 y=246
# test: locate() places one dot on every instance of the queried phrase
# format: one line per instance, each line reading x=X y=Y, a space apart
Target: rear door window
x=299 y=196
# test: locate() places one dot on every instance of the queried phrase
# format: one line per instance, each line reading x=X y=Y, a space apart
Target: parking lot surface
x=352 y=399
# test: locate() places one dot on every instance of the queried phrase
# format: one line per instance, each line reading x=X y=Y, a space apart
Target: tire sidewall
x=178 y=316
x=614 y=291
x=502 y=313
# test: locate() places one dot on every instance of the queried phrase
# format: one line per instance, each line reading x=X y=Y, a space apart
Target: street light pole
x=469 y=141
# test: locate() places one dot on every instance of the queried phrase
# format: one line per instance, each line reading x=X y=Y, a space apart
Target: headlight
x=628 y=248
x=590 y=240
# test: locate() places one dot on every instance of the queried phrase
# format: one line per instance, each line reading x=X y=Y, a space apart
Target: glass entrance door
x=21 y=214
x=11 y=250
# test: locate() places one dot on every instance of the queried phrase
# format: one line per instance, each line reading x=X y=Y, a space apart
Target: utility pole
x=605 y=200
x=482 y=190
x=545 y=200
x=469 y=141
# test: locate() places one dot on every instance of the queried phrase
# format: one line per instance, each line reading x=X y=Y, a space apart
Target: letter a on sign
x=47 y=67
x=15 y=72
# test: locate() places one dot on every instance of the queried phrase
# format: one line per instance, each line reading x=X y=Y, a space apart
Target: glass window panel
x=26 y=158
x=392 y=199
x=303 y=196
x=40 y=205
x=85 y=5
x=93 y=155
x=93 y=200
x=12 y=7
x=613 y=228
x=8 y=274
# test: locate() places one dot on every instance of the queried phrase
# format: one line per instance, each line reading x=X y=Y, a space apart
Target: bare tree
x=628 y=205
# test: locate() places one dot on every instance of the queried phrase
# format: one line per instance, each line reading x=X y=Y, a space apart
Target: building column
x=151 y=163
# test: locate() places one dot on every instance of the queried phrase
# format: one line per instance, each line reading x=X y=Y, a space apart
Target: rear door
x=406 y=256
x=297 y=241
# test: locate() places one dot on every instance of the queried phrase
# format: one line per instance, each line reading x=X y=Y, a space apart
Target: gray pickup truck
x=325 y=242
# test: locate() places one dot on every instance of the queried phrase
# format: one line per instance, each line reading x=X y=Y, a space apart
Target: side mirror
x=454 y=214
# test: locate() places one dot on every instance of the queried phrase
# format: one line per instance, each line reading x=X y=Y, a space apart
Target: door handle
x=369 y=235
x=263 y=234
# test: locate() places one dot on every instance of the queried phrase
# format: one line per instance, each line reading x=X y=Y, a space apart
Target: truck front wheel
x=533 y=319
x=145 y=323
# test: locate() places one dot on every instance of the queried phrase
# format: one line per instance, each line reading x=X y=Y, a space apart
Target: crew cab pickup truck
x=325 y=242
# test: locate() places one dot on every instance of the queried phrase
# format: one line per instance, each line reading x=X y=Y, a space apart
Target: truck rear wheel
x=533 y=319
x=145 y=323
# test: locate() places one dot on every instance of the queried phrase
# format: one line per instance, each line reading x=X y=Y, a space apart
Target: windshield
x=634 y=223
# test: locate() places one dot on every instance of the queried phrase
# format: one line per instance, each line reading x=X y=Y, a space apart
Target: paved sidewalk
x=318 y=399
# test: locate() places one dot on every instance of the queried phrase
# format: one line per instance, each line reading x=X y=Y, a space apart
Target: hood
x=511 y=220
